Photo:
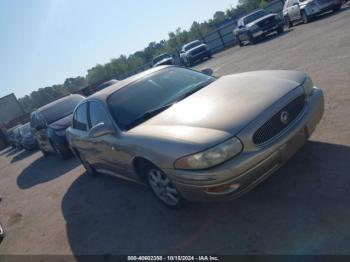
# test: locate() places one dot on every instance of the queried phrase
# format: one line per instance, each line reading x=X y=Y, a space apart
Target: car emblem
x=285 y=117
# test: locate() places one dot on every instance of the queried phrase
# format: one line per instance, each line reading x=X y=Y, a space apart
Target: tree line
x=124 y=64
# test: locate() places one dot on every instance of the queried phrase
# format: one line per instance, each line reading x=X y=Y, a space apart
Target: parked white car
x=295 y=10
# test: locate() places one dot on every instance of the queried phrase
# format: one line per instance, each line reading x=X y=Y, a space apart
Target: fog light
x=223 y=189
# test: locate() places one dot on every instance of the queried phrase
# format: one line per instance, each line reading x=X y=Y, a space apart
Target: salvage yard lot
x=51 y=206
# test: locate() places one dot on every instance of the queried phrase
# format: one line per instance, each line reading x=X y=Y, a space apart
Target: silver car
x=194 y=137
x=295 y=10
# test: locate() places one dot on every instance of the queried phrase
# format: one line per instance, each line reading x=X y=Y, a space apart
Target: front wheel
x=289 y=23
x=336 y=8
x=239 y=42
x=163 y=188
x=252 y=40
x=280 y=30
x=304 y=17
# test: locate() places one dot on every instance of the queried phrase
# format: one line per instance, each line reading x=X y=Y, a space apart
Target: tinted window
x=254 y=16
x=80 y=118
x=129 y=104
x=192 y=45
x=97 y=114
x=160 y=58
x=61 y=108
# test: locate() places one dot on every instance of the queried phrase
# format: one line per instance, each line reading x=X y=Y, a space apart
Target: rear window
x=61 y=109
x=192 y=45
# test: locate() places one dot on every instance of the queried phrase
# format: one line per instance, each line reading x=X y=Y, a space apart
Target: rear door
x=79 y=131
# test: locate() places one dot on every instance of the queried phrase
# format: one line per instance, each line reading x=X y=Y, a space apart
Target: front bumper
x=199 y=56
x=251 y=167
x=267 y=30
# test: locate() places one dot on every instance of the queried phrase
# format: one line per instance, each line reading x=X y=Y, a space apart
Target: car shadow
x=272 y=36
x=12 y=152
x=45 y=169
x=6 y=150
x=301 y=209
x=22 y=155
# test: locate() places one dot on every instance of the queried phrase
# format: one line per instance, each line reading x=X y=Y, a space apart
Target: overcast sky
x=43 y=42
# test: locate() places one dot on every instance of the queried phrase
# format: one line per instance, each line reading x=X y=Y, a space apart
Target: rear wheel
x=163 y=188
x=304 y=17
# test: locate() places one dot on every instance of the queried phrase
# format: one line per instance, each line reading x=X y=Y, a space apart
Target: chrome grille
x=279 y=121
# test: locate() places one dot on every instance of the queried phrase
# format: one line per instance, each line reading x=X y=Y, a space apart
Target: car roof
x=43 y=108
x=104 y=93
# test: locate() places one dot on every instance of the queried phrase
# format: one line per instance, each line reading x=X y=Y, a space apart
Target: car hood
x=221 y=109
x=196 y=47
x=62 y=123
x=260 y=19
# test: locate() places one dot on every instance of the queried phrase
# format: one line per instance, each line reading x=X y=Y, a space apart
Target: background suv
x=49 y=124
x=27 y=139
x=295 y=10
x=257 y=25
x=193 y=52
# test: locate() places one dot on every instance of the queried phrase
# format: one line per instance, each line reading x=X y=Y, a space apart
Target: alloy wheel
x=163 y=188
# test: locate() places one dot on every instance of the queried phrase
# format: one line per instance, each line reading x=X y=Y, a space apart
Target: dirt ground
x=51 y=206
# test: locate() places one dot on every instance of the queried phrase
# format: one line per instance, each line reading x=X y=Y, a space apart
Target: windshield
x=61 y=109
x=107 y=84
x=192 y=45
x=130 y=104
x=25 y=129
x=160 y=58
x=254 y=16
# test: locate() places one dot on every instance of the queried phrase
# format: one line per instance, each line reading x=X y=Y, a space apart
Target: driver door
x=108 y=151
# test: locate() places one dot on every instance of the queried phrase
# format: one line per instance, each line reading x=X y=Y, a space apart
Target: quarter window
x=80 y=118
x=97 y=114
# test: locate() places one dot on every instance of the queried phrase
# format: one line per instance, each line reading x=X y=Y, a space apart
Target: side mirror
x=207 y=71
x=296 y=4
x=240 y=26
x=100 y=130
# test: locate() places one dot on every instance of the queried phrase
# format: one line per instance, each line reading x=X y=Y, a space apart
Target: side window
x=97 y=114
x=80 y=118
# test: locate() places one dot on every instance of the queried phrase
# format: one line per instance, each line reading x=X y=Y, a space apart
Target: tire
x=252 y=40
x=2 y=233
x=336 y=8
x=289 y=23
x=163 y=189
x=239 y=42
x=280 y=30
x=304 y=17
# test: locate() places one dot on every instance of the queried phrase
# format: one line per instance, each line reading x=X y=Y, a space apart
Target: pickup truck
x=193 y=52
x=257 y=25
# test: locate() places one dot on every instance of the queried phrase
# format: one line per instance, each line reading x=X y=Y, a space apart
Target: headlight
x=308 y=86
x=60 y=132
x=211 y=157
x=255 y=28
